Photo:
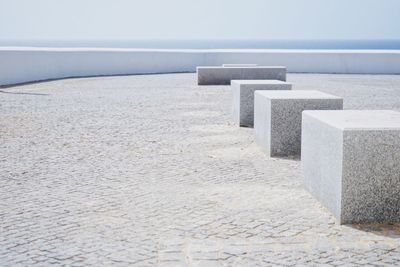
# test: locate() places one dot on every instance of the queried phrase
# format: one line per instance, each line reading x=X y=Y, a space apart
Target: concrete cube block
x=351 y=163
x=277 y=118
x=220 y=75
x=243 y=97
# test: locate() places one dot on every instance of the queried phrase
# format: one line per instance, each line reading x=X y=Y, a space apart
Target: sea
x=392 y=44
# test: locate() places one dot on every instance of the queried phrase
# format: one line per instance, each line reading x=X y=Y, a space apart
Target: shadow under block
x=219 y=75
x=351 y=163
x=277 y=118
x=243 y=97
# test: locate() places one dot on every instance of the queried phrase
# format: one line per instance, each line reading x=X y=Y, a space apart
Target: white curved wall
x=19 y=65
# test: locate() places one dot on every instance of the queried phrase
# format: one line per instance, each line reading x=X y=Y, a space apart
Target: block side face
x=287 y=119
x=199 y=76
x=203 y=76
x=247 y=106
x=262 y=122
x=264 y=74
x=212 y=76
x=235 y=90
x=247 y=100
x=371 y=176
x=223 y=76
x=273 y=86
x=321 y=161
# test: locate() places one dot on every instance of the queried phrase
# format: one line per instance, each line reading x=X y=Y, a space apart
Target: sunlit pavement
x=149 y=170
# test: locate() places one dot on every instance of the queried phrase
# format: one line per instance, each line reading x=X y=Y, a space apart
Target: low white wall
x=19 y=65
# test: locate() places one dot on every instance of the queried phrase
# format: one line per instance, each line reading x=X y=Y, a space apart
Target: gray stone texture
x=243 y=98
x=277 y=118
x=350 y=162
x=219 y=75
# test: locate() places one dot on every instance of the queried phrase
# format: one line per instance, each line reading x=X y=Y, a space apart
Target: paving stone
x=114 y=171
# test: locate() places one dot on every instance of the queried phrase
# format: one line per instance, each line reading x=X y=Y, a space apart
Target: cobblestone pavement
x=150 y=171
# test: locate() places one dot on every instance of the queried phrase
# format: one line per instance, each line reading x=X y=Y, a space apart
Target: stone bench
x=243 y=97
x=351 y=163
x=277 y=118
x=238 y=65
x=223 y=75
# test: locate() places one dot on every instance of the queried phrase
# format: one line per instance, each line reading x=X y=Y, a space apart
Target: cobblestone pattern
x=151 y=171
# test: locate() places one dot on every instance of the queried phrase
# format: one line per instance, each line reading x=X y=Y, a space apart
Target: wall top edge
x=278 y=51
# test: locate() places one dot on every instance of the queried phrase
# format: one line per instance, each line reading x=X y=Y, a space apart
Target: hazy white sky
x=199 y=19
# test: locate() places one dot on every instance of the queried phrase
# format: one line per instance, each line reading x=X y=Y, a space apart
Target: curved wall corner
x=20 y=65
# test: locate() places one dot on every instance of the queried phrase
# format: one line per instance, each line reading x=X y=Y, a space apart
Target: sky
x=199 y=19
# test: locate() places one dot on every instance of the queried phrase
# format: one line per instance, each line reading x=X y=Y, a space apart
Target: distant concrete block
x=243 y=97
x=277 y=118
x=351 y=163
x=224 y=75
x=238 y=65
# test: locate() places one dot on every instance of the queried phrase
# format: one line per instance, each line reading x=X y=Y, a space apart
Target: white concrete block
x=243 y=97
x=223 y=75
x=351 y=163
x=277 y=118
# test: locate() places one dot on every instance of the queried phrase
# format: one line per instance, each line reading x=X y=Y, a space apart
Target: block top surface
x=238 y=67
x=296 y=94
x=358 y=119
x=261 y=82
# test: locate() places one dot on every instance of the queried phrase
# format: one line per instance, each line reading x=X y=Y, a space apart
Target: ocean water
x=213 y=44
